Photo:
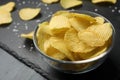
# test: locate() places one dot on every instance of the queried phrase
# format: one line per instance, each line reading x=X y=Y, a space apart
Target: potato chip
x=28 y=35
x=5 y=17
x=59 y=24
x=62 y=12
x=59 y=56
x=49 y=1
x=91 y=38
x=78 y=25
x=94 y=53
x=52 y=52
x=70 y=3
x=7 y=7
x=74 y=44
x=99 y=20
x=41 y=35
x=59 y=44
x=100 y=1
x=103 y=30
x=84 y=17
x=29 y=13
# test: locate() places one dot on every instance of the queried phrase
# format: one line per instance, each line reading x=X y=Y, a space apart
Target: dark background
x=24 y=50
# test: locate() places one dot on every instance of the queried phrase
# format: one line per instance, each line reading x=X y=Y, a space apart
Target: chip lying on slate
x=5 y=12
x=29 y=13
x=74 y=36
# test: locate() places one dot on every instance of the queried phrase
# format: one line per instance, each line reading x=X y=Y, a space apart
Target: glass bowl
x=76 y=67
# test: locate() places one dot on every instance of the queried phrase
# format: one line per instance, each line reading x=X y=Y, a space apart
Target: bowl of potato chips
x=74 y=41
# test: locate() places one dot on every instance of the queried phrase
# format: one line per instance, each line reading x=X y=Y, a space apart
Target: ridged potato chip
x=7 y=7
x=29 y=13
x=59 y=44
x=74 y=44
x=94 y=53
x=5 y=17
x=52 y=52
x=62 y=12
x=84 y=17
x=70 y=3
x=78 y=25
x=100 y=1
x=103 y=30
x=59 y=24
x=49 y=1
x=28 y=35
x=41 y=35
x=99 y=20
x=91 y=38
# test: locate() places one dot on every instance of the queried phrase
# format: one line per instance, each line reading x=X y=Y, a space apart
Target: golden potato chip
x=5 y=17
x=99 y=20
x=70 y=3
x=94 y=53
x=28 y=35
x=29 y=13
x=41 y=35
x=52 y=52
x=91 y=38
x=74 y=44
x=49 y=1
x=59 y=24
x=7 y=7
x=103 y=30
x=59 y=44
x=59 y=56
x=78 y=25
x=62 y=12
x=84 y=17
x=100 y=1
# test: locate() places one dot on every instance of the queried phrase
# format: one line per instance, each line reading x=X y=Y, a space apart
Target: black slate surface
x=24 y=50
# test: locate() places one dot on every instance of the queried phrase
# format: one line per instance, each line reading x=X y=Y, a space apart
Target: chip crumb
x=47 y=8
x=96 y=10
x=46 y=5
x=26 y=27
x=38 y=21
x=8 y=27
x=24 y=46
x=118 y=11
x=18 y=24
x=39 y=5
x=15 y=26
x=31 y=48
x=19 y=47
x=116 y=8
x=15 y=30
x=113 y=10
x=23 y=2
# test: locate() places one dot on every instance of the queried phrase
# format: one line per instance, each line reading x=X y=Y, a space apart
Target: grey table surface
x=12 y=69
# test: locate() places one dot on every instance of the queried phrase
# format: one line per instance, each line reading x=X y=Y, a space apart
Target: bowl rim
x=81 y=61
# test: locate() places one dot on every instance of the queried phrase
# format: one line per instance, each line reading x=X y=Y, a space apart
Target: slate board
x=24 y=50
